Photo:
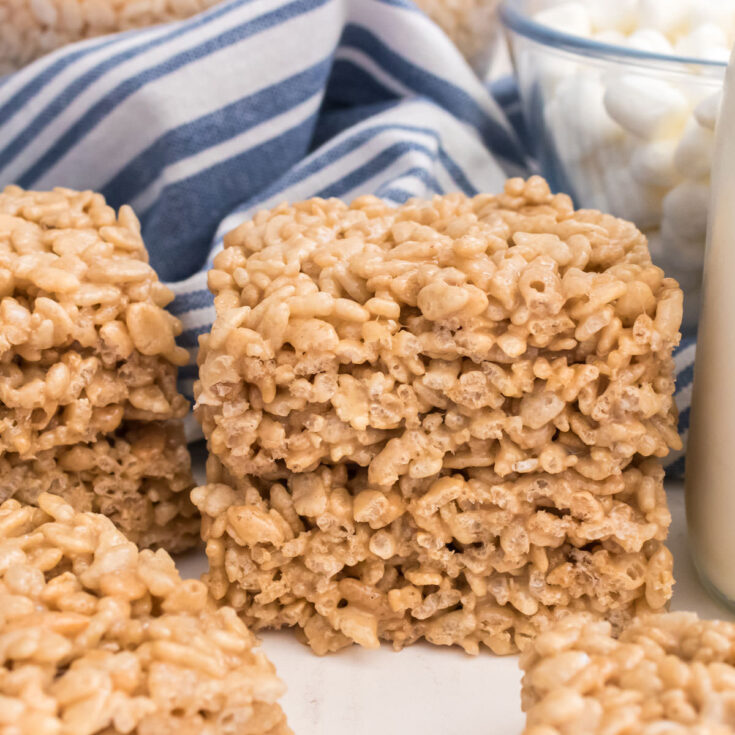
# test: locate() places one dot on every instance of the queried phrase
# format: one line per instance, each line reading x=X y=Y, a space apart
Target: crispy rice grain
x=97 y=637
x=670 y=674
x=381 y=386
x=139 y=477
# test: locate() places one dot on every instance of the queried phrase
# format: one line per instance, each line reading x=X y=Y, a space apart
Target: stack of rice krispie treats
x=88 y=402
x=439 y=421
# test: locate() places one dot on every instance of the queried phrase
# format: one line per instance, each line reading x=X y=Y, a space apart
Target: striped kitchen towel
x=200 y=123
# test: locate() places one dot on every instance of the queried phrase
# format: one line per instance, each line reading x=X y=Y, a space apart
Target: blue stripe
x=377 y=164
x=184 y=302
x=457 y=174
x=685 y=378
x=209 y=130
x=676 y=469
x=684 y=419
x=74 y=89
x=115 y=97
x=452 y=98
x=183 y=227
x=394 y=194
x=47 y=74
x=189 y=372
x=405 y=4
x=333 y=154
x=189 y=337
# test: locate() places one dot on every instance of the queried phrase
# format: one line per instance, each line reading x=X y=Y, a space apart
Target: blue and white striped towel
x=199 y=124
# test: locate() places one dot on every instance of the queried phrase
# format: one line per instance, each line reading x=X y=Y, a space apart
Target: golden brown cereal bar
x=73 y=272
x=503 y=331
x=98 y=637
x=669 y=674
x=463 y=560
x=140 y=477
x=68 y=397
x=31 y=28
x=507 y=341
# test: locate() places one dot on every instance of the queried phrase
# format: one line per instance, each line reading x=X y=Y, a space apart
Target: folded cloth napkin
x=200 y=123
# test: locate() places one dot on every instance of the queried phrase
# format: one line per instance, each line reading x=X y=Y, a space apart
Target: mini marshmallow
x=720 y=13
x=652 y=164
x=693 y=157
x=645 y=106
x=614 y=38
x=569 y=17
x=583 y=114
x=704 y=42
x=668 y=16
x=707 y=111
x=651 y=40
x=685 y=212
x=613 y=15
x=631 y=200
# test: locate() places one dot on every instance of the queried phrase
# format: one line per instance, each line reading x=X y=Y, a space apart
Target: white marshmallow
x=693 y=157
x=701 y=41
x=651 y=40
x=717 y=53
x=645 y=106
x=668 y=16
x=583 y=115
x=569 y=17
x=548 y=70
x=616 y=15
x=614 y=38
x=707 y=111
x=685 y=213
x=652 y=164
x=721 y=13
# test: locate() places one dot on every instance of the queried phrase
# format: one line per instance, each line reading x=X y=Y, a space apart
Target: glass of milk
x=710 y=464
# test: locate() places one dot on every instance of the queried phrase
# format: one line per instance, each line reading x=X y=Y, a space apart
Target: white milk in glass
x=710 y=474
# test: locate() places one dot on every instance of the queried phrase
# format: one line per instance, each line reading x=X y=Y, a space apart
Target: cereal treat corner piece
x=85 y=340
x=440 y=420
x=666 y=674
x=97 y=637
x=139 y=477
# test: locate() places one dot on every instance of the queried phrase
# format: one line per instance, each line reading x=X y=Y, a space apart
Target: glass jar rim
x=516 y=20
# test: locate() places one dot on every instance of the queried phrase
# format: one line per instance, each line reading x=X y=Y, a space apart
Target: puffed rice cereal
x=97 y=637
x=31 y=28
x=88 y=366
x=437 y=420
x=139 y=477
x=670 y=674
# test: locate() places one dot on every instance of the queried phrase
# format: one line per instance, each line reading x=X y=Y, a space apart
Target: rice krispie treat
x=140 y=477
x=670 y=674
x=31 y=28
x=455 y=403
x=88 y=358
x=97 y=637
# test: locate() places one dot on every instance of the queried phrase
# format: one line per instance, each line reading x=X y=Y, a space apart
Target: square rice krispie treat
x=669 y=674
x=139 y=477
x=88 y=359
x=97 y=637
x=439 y=420
x=84 y=339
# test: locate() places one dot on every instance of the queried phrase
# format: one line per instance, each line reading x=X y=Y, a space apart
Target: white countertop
x=424 y=689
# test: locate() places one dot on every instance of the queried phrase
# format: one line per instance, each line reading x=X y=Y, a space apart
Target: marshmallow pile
x=631 y=138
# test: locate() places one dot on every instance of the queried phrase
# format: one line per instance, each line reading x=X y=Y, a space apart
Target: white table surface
x=424 y=689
